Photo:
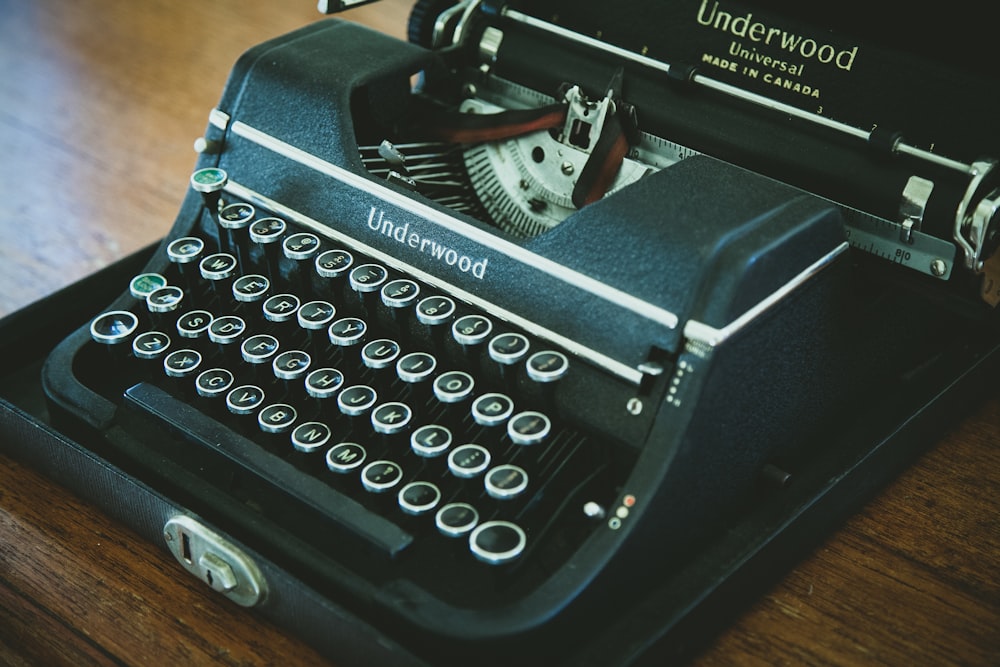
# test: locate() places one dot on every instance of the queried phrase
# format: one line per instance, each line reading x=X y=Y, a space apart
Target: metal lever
x=974 y=218
x=912 y=207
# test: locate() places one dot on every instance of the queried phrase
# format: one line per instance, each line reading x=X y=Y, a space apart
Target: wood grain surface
x=100 y=101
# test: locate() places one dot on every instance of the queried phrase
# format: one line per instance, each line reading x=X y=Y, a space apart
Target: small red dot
x=629 y=500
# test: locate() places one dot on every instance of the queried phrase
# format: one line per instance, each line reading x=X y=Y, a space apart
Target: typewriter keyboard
x=388 y=407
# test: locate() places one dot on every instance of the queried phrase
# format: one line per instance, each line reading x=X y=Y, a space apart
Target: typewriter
x=546 y=334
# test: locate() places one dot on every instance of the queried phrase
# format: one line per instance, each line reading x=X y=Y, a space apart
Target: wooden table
x=100 y=101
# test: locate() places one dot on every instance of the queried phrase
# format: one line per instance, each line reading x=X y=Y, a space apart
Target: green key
x=145 y=284
x=209 y=179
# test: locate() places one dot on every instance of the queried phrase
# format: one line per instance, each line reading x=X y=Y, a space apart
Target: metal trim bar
x=713 y=337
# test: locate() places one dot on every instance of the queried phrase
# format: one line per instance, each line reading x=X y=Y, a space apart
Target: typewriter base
x=678 y=616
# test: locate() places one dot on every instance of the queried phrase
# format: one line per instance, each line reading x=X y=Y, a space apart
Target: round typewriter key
x=492 y=409
x=291 y=365
x=145 y=284
x=471 y=329
x=219 y=266
x=419 y=498
x=266 y=233
x=547 y=366
x=165 y=299
x=435 y=310
x=302 y=245
x=508 y=348
x=401 y=293
x=324 y=382
x=250 y=288
x=214 y=382
x=277 y=418
x=415 y=367
x=194 y=323
x=333 y=263
x=380 y=476
x=345 y=457
x=226 y=329
x=281 y=307
x=209 y=182
x=267 y=230
x=113 y=327
x=497 y=542
x=185 y=250
x=456 y=519
x=453 y=386
x=181 y=363
x=347 y=331
x=356 y=400
x=231 y=219
x=209 y=179
x=380 y=353
x=310 y=436
x=150 y=345
x=528 y=428
x=468 y=460
x=505 y=481
x=430 y=440
x=245 y=399
x=236 y=216
x=368 y=277
x=316 y=315
x=390 y=418
x=259 y=348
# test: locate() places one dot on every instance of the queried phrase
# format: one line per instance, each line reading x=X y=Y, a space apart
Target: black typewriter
x=545 y=335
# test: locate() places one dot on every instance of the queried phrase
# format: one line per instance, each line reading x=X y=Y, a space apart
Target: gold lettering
x=744 y=26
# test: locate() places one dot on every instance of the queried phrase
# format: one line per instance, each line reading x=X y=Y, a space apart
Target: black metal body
x=808 y=335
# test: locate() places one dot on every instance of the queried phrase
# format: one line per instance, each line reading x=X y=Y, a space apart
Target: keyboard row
x=252 y=300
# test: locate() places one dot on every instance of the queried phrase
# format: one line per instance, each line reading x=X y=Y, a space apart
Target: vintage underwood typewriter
x=545 y=333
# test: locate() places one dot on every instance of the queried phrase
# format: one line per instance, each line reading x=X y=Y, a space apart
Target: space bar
x=196 y=426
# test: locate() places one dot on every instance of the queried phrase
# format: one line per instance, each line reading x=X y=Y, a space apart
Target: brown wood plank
x=78 y=587
x=914 y=578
